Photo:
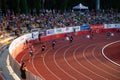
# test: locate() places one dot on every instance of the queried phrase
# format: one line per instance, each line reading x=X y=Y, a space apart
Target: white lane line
x=85 y=66
x=59 y=66
x=33 y=64
x=23 y=57
x=97 y=59
x=45 y=64
x=97 y=66
x=42 y=78
x=48 y=67
x=72 y=66
x=106 y=56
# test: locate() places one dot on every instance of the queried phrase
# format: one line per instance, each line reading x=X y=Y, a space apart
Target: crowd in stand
x=19 y=24
x=49 y=19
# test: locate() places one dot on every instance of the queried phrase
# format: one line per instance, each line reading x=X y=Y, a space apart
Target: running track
x=80 y=60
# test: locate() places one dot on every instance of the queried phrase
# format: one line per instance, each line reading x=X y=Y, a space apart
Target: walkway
x=5 y=74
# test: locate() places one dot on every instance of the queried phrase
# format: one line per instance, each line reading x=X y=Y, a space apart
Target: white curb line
x=14 y=75
x=106 y=56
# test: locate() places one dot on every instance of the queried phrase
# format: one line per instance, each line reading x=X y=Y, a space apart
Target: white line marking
x=48 y=68
x=73 y=67
x=106 y=56
x=95 y=65
x=33 y=64
x=104 y=63
x=59 y=66
x=35 y=67
x=86 y=67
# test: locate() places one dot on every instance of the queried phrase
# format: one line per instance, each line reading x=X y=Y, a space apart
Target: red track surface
x=80 y=60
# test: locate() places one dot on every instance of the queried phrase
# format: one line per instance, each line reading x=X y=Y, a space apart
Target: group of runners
x=31 y=48
x=91 y=35
x=69 y=38
x=43 y=46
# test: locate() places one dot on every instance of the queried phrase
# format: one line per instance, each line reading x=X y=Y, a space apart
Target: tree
x=65 y=4
x=38 y=5
x=50 y=4
x=4 y=5
x=23 y=6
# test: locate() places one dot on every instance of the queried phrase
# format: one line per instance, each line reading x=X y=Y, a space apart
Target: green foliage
x=25 y=6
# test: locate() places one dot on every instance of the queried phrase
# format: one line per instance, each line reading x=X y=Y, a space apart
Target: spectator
x=23 y=71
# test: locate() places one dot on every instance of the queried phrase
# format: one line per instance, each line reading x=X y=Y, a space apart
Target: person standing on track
x=30 y=52
x=53 y=44
x=108 y=34
x=91 y=34
x=26 y=44
x=42 y=50
x=71 y=39
x=39 y=37
x=33 y=38
x=23 y=71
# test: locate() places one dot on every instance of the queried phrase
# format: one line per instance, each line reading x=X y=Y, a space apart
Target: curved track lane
x=80 y=60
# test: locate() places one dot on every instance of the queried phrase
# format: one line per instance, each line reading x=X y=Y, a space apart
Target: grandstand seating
x=70 y=19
